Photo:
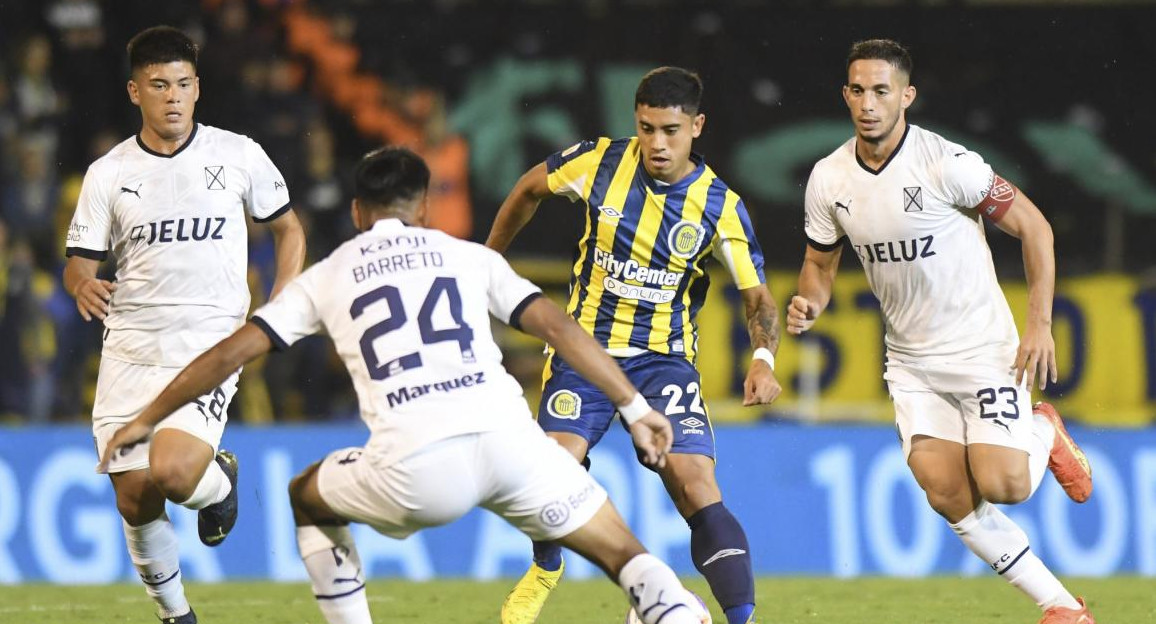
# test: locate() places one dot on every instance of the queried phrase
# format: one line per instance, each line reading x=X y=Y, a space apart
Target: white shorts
x=124 y=389
x=969 y=403
x=521 y=475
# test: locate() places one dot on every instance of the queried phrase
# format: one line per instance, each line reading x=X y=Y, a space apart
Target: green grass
x=1120 y=600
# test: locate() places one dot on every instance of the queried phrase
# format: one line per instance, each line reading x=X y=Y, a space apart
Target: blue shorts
x=670 y=384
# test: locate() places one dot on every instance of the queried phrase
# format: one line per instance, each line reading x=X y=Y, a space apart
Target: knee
x=692 y=495
x=951 y=500
x=1005 y=489
x=296 y=491
x=176 y=484
x=136 y=507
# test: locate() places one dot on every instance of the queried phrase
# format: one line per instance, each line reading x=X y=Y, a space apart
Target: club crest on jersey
x=565 y=404
x=215 y=178
x=912 y=199
x=685 y=238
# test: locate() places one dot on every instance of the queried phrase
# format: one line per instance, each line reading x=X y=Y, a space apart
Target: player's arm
x=289 y=249
x=650 y=430
x=206 y=372
x=92 y=294
x=518 y=208
x=816 y=280
x=1036 y=357
x=760 y=386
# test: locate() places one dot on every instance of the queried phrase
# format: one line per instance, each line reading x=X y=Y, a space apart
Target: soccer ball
x=698 y=605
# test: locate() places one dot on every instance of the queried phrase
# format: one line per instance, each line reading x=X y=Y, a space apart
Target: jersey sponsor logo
x=136 y=191
x=179 y=230
x=215 y=178
x=685 y=238
x=693 y=426
x=75 y=232
x=912 y=199
x=896 y=251
x=633 y=271
x=565 y=404
x=409 y=393
x=387 y=244
x=278 y=185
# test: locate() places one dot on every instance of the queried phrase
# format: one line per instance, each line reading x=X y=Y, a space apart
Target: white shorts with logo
x=520 y=474
x=124 y=389
x=968 y=403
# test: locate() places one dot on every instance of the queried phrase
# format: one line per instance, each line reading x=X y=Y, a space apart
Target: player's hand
x=1036 y=357
x=122 y=442
x=760 y=386
x=801 y=315
x=652 y=437
x=93 y=296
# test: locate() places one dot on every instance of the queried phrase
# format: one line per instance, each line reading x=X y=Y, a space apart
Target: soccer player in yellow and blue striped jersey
x=655 y=215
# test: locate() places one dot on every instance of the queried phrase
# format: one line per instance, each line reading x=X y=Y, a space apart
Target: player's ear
x=355 y=214
x=423 y=210
x=133 y=92
x=696 y=125
x=908 y=96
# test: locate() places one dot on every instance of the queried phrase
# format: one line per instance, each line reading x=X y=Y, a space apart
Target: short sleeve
x=89 y=233
x=293 y=313
x=509 y=293
x=966 y=178
x=268 y=197
x=570 y=172
x=823 y=231
x=736 y=247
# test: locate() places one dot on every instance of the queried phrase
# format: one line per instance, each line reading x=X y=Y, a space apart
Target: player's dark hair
x=389 y=175
x=160 y=44
x=881 y=50
x=670 y=87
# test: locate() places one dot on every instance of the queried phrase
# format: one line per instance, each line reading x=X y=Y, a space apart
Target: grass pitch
x=941 y=600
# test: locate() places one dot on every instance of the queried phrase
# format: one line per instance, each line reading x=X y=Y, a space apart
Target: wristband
x=764 y=354
x=633 y=411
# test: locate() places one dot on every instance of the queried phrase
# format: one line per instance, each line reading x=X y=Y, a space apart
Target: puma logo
x=125 y=189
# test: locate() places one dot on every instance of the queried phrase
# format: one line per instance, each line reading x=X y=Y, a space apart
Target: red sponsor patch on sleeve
x=999 y=199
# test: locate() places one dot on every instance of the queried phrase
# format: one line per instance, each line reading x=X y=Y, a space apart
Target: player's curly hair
x=160 y=44
x=882 y=50
x=670 y=87
x=388 y=175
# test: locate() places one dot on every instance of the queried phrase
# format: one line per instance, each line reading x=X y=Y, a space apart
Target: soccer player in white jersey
x=170 y=203
x=409 y=309
x=911 y=204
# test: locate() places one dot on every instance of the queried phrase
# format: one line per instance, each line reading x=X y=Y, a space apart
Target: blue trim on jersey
x=91 y=254
x=189 y=141
x=278 y=342
x=276 y=214
x=606 y=168
x=556 y=160
x=516 y=315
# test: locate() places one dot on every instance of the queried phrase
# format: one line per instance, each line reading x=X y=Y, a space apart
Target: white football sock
x=1043 y=437
x=655 y=592
x=993 y=537
x=331 y=559
x=213 y=487
x=153 y=549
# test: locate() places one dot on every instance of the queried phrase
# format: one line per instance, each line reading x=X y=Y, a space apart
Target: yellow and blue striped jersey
x=639 y=271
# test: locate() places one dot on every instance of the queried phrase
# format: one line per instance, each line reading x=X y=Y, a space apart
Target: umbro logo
x=610 y=212
x=846 y=207
x=125 y=189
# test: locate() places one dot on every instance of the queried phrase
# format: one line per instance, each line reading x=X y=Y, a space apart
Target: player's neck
x=162 y=145
x=875 y=153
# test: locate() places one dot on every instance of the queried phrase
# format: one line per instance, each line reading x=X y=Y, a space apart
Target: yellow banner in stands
x=1104 y=327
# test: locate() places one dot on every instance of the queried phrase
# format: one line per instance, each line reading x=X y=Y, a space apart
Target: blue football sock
x=548 y=555
x=720 y=551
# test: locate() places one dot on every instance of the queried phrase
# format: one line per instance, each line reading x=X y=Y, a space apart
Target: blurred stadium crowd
x=316 y=87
